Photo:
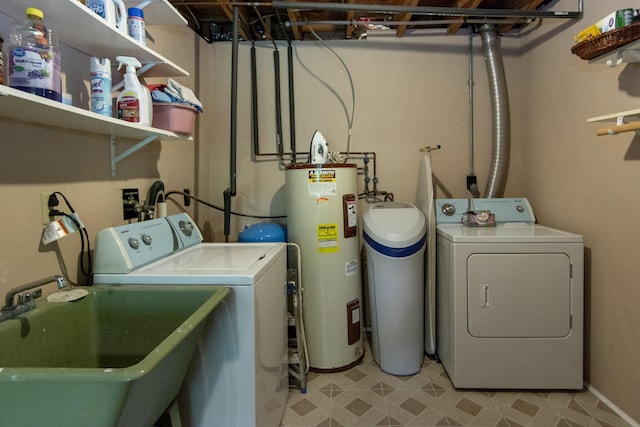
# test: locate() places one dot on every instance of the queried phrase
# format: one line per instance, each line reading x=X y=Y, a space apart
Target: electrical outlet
x=44 y=208
x=187 y=199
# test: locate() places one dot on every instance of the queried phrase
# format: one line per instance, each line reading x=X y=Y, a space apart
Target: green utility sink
x=116 y=357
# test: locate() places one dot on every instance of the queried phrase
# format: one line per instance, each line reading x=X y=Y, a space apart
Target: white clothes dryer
x=509 y=298
x=239 y=374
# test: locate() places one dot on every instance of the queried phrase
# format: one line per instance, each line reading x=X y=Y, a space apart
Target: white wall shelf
x=626 y=121
x=77 y=26
x=157 y=12
x=80 y=28
x=36 y=110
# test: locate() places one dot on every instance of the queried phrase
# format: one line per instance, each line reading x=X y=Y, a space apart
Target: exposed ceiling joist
x=293 y=19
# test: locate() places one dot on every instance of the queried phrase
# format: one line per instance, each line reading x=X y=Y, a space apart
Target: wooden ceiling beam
x=205 y=11
x=243 y=27
x=469 y=4
x=521 y=5
x=401 y=29
x=295 y=16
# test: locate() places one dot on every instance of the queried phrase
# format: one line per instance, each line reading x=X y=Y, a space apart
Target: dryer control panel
x=451 y=211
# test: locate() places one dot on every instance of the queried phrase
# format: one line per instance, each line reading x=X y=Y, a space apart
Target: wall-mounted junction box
x=130 y=199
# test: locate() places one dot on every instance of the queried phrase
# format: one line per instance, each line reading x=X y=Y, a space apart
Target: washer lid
x=394 y=224
x=205 y=264
x=515 y=232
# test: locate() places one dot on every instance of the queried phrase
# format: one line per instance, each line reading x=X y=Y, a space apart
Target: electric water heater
x=322 y=219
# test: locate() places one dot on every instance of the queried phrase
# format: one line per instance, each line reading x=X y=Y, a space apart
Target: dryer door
x=519 y=295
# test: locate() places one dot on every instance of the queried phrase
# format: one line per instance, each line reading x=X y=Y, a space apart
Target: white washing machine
x=509 y=299
x=239 y=374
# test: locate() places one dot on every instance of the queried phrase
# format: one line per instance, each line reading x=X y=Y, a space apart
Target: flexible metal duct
x=500 y=112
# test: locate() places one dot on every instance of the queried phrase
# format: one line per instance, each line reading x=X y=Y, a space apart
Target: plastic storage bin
x=176 y=117
x=395 y=240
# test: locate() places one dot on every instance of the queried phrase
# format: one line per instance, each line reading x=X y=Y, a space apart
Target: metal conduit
x=254 y=102
x=472 y=181
x=231 y=191
x=278 y=106
x=292 y=108
x=500 y=112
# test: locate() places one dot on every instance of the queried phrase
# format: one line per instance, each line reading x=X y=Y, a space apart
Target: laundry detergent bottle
x=133 y=101
x=121 y=16
x=112 y=11
x=34 y=59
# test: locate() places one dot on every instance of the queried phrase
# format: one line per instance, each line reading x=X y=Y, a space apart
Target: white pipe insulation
x=501 y=124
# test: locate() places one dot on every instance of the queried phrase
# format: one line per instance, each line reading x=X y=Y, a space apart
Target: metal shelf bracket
x=625 y=55
x=622 y=120
x=116 y=158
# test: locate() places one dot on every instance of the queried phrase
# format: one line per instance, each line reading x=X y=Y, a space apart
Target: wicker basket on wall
x=604 y=43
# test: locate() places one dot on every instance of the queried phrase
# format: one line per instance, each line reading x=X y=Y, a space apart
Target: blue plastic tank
x=263 y=232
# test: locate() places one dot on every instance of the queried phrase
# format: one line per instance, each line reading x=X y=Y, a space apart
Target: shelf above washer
x=28 y=108
x=25 y=107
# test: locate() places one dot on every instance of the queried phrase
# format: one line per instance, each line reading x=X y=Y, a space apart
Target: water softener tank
x=322 y=219
x=395 y=236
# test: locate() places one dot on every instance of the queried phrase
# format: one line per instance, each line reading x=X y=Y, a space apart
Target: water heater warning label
x=322 y=182
x=327 y=238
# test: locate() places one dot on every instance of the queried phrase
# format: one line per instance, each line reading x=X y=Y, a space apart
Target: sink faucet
x=26 y=302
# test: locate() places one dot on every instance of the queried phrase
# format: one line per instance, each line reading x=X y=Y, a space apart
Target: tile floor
x=365 y=396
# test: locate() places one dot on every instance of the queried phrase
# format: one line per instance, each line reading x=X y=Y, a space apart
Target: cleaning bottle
x=106 y=9
x=121 y=16
x=34 y=59
x=133 y=101
x=136 y=25
x=100 y=69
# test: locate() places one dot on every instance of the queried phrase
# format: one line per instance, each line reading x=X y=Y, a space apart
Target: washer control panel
x=451 y=211
x=125 y=248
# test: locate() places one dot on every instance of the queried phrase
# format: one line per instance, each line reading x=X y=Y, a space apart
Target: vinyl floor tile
x=365 y=396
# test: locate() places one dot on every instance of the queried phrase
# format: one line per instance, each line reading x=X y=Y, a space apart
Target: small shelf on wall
x=626 y=121
x=28 y=108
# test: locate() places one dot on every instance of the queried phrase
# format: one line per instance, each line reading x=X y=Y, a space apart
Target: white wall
x=409 y=93
x=573 y=176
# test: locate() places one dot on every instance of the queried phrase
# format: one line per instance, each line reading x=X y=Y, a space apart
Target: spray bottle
x=134 y=103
